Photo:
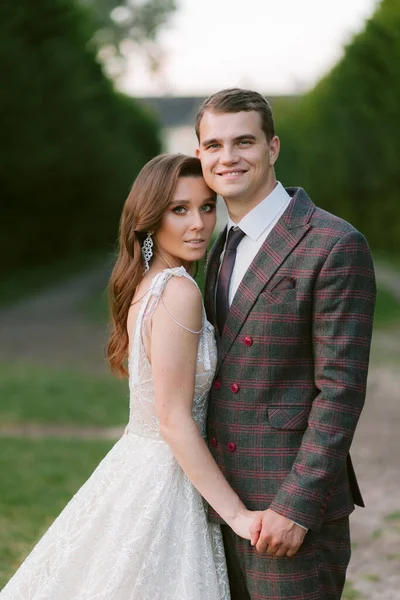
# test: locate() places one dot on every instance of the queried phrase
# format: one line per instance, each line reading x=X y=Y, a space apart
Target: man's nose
x=229 y=155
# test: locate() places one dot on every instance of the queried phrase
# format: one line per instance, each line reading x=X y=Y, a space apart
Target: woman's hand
x=243 y=521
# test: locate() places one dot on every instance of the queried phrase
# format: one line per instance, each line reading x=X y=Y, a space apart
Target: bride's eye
x=208 y=207
x=179 y=210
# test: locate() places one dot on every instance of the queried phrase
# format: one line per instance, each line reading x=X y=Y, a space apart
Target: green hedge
x=341 y=141
x=70 y=145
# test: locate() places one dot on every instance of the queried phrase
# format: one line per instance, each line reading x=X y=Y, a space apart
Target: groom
x=290 y=289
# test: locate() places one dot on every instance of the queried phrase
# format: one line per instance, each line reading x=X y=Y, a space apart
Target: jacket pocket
x=279 y=297
x=288 y=417
x=284 y=283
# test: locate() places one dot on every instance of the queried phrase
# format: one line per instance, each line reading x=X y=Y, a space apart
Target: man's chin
x=230 y=195
x=230 y=190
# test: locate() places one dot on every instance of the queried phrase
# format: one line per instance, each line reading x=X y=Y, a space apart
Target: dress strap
x=157 y=289
x=148 y=307
x=177 y=322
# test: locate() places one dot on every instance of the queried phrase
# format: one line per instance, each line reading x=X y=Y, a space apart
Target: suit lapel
x=281 y=241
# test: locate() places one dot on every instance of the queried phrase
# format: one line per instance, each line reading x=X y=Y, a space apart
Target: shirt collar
x=257 y=220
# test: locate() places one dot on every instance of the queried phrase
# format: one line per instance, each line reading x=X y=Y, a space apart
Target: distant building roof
x=181 y=110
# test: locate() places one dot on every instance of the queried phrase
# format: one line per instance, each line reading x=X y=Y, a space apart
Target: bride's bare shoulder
x=182 y=300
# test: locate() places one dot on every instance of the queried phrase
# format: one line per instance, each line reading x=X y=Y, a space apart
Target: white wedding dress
x=137 y=529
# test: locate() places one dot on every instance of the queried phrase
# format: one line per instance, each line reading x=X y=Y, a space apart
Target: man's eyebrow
x=210 y=141
x=245 y=136
x=238 y=138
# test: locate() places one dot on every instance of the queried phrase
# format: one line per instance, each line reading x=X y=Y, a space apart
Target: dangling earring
x=147 y=250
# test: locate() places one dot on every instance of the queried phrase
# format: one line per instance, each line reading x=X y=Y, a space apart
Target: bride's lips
x=195 y=242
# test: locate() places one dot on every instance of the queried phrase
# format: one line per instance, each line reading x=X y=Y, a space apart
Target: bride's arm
x=173 y=359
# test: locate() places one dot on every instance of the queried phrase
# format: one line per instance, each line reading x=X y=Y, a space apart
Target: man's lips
x=236 y=173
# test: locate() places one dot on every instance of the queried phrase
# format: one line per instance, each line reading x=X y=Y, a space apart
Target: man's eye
x=244 y=142
x=212 y=146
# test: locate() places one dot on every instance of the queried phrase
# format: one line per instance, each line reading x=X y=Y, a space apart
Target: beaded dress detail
x=137 y=529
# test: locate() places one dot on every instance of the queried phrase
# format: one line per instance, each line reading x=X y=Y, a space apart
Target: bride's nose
x=197 y=221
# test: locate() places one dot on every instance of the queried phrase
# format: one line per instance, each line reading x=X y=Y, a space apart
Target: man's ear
x=274 y=147
x=197 y=152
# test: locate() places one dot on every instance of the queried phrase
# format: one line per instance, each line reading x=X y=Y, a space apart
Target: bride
x=137 y=529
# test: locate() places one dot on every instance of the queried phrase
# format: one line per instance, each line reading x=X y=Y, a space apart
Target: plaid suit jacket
x=293 y=360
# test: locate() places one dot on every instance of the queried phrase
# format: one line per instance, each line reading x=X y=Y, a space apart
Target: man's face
x=236 y=157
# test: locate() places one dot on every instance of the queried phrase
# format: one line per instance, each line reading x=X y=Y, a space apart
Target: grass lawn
x=38 y=478
x=35 y=395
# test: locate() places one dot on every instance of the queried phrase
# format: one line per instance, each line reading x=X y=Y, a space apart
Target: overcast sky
x=275 y=46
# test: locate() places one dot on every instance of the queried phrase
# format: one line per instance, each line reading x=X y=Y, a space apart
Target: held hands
x=275 y=534
x=243 y=522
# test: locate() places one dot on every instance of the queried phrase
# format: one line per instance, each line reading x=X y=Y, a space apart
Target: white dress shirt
x=257 y=224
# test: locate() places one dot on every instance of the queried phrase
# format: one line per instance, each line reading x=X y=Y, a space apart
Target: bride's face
x=188 y=222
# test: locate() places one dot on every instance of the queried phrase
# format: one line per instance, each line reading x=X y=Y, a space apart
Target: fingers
x=267 y=542
x=276 y=550
x=275 y=547
x=255 y=531
x=277 y=535
x=262 y=544
x=281 y=551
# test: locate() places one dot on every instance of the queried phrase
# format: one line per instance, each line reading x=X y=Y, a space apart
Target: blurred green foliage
x=70 y=145
x=341 y=141
x=387 y=310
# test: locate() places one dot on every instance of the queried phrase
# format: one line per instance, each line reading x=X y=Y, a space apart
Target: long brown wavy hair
x=143 y=210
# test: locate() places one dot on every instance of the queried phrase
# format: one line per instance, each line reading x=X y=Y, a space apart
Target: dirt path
x=52 y=330
x=375 y=566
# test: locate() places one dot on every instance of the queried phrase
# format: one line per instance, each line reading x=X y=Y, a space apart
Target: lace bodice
x=143 y=419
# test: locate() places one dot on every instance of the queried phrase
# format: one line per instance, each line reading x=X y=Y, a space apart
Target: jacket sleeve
x=343 y=309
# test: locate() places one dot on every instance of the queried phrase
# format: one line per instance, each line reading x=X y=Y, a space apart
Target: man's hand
x=243 y=522
x=277 y=535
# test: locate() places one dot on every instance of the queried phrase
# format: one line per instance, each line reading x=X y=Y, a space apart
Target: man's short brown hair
x=234 y=100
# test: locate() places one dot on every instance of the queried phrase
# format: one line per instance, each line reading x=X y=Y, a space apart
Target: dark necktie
x=235 y=236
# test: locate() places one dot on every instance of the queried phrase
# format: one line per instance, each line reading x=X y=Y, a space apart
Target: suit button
x=217 y=385
x=248 y=341
x=213 y=442
x=231 y=446
x=234 y=388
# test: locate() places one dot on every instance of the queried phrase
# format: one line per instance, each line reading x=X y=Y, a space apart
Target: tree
x=70 y=145
x=125 y=24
